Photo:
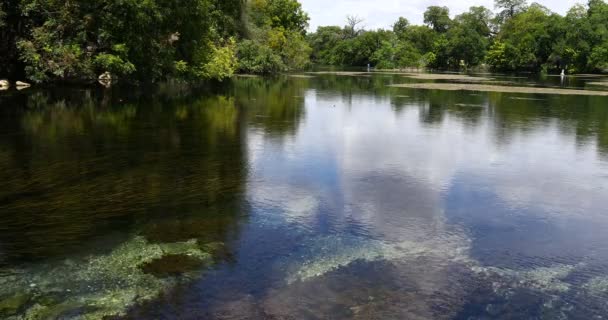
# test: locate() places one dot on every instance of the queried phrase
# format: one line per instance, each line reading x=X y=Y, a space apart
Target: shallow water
x=317 y=197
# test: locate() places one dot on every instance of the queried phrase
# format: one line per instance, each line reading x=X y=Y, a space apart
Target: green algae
x=597 y=286
x=599 y=83
x=301 y=76
x=542 y=279
x=469 y=105
x=498 y=88
x=94 y=287
x=340 y=73
x=333 y=253
x=61 y=310
x=444 y=76
x=11 y=305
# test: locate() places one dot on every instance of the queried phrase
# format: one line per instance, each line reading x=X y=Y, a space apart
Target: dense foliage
x=148 y=40
x=275 y=37
x=519 y=37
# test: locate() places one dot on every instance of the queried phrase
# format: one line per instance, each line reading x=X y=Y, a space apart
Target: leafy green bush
x=254 y=57
x=115 y=62
x=222 y=63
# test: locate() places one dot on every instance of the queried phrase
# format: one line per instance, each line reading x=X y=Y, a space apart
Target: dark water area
x=310 y=197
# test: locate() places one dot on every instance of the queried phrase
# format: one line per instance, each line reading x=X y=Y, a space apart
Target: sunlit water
x=324 y=197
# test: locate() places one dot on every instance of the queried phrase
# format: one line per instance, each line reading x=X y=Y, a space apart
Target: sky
x=383 y=13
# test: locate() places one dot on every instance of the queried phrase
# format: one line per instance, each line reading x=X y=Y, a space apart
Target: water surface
x=325 y=197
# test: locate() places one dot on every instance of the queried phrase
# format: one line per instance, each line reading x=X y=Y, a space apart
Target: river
x=318 y=196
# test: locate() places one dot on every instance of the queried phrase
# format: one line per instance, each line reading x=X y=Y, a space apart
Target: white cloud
x=383 y=13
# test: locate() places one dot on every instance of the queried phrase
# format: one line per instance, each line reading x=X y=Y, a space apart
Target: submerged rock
x=4 y=84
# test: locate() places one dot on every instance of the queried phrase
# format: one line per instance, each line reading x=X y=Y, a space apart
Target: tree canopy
x=519 y=37
x=151 y=40
x=148 y=40
x=438 y=18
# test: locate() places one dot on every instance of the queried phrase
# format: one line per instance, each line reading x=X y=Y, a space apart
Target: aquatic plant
x=498 y=88
x=330 y=253
x=597 y=286
x=97 y=286
x=544 y=279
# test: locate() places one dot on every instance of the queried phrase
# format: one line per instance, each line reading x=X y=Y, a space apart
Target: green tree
x=408 y=55
x=222 y=63
x=324 y=42
x=509 y=8
x=400 y=27
x=530 y=38
x=441 y=54
x=498 y=57
x=519 y=37
x=477 y=19
x=589 y=36
x=255 y=57
x=422 y=37
x=295 y=51
x=395 y=53
x=438 y=18
x=469 y=36
x=385 y=57
x=352 y=28
x=148 y=40
x=276 y=32
x=142 y=39
x=286 y=14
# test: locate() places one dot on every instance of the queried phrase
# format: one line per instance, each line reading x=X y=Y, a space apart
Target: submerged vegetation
x=128 y=205
x=499 y=88
x=98 y=286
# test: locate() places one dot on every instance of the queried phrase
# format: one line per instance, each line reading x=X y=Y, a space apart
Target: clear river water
x=318 y=196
